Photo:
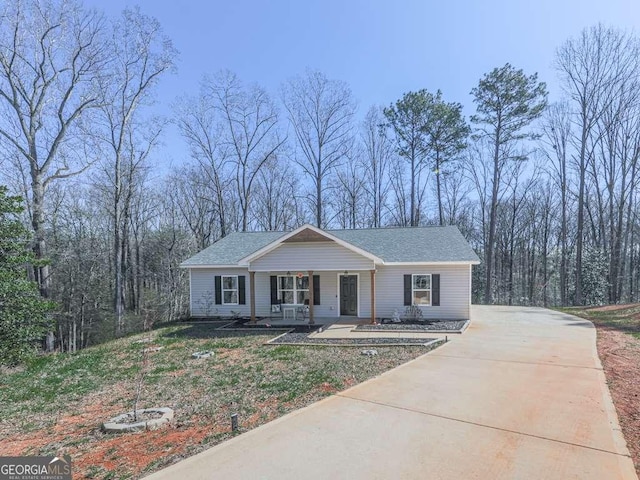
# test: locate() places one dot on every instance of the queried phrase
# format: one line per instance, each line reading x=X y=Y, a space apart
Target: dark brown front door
x=348 y=294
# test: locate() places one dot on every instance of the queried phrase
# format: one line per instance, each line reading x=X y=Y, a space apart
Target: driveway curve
x=520 y=395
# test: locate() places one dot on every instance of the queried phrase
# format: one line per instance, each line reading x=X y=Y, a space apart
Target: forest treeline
x=546 y=192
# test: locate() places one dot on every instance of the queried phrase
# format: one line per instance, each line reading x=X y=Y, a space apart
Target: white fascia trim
x=213 y=266
x=408 y=264
x=306 y=269
x=276 y=243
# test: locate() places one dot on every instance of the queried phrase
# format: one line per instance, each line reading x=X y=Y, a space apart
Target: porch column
x=373 y=297
x=252 y=295
x=311 y=320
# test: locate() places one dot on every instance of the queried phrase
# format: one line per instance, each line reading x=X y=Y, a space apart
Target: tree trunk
x=319 y=201
x=580 y=223
x=412 y=216
x=440 y=214
x=41 y=271
x=492 y=222
x=118 y=307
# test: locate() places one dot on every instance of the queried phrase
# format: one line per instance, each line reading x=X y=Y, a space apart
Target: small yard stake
x=234 y=422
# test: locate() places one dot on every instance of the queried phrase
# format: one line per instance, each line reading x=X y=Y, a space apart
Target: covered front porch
x=316 y=271
x=326 y=296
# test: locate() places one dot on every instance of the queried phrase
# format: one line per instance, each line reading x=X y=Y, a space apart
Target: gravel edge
x=349 y=342
x=388 y=327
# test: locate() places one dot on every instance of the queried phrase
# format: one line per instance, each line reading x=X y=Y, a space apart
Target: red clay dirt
x=620 y=357
x=134 y=452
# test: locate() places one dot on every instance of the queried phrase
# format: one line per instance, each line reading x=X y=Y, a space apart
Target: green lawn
x=55 y=404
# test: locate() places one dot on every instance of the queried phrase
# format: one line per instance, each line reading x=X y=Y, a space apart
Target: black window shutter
x=435 y=289
x=316 y=289
x=241 y=290
x=407 y=290
x=218 y=290
x=274 y=290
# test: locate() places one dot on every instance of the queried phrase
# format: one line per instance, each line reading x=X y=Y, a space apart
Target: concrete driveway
x=520 y=395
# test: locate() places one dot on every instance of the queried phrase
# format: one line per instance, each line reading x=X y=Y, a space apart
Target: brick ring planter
x=118 y=425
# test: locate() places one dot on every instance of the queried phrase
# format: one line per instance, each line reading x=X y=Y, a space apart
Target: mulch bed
x=439 y=326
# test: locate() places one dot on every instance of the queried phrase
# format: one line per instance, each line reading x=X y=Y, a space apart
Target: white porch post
x=373 y=297
x=311 y=320
x=252 y=295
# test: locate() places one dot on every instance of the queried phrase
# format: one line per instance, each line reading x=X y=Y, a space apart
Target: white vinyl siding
x=455 y=291
x=203 y=294
x=316 y=256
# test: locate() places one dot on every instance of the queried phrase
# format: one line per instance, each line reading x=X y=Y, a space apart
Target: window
x=230 y=290
x=293 y=289
x=421 y=290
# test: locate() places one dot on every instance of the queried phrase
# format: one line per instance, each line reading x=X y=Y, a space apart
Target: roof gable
x=309 y=233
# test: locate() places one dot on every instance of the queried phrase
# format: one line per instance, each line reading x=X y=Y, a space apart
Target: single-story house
x=367 y=273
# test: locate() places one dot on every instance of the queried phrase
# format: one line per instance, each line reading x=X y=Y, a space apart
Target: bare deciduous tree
x=51 y=56
x=376 y=161
x=589 y=66
x=249 y=121
x=141 y=55
x=349 y=192
x=199 y=126
x=320 y=112
x=277 y=205
x=556 y=129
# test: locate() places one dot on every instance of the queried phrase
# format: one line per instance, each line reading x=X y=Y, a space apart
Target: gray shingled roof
x=230 y=249
x=417 y=244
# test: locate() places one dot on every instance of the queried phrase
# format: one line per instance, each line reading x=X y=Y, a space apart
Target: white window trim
x=294 y=289
x=237 y=289
x=430 y=289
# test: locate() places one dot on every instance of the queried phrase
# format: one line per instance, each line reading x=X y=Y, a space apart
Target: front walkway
x=520 y=395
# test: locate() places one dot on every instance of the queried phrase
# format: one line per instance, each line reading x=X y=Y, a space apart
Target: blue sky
x=380 y=48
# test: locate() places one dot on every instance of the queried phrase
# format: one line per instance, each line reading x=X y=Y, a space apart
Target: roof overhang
x=318 y=231
x=182 y=265
x=452 y=262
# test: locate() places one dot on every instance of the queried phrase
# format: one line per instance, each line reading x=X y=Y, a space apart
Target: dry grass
x=57 y=403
